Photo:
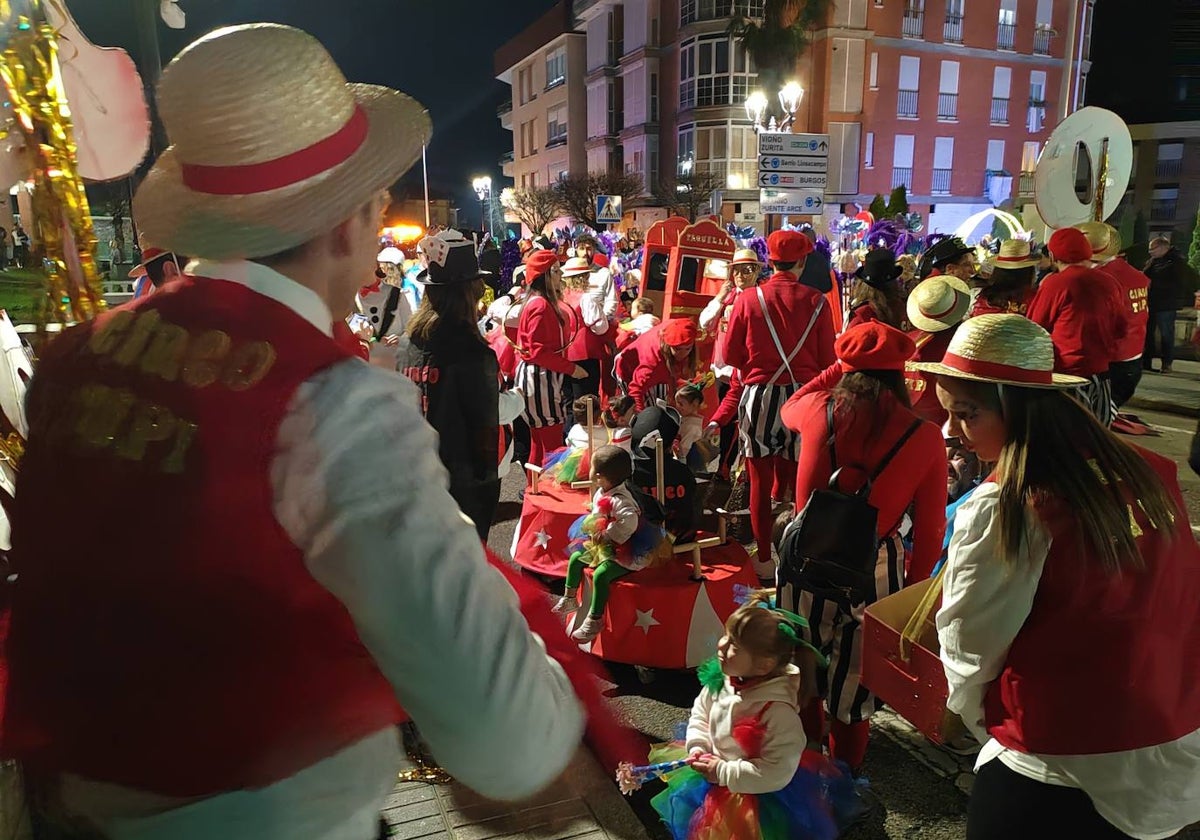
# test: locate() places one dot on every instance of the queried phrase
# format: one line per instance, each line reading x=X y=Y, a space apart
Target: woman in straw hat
x=1071 y=586
x=935 y=309
x=251 y=640
x=590 y=347
x=877 y=294
x=868 y=417
x=1010 y=286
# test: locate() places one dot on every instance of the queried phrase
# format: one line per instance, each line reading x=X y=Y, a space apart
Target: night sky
x=438 y=51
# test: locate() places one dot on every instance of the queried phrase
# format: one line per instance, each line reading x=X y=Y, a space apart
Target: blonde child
x=643 y=319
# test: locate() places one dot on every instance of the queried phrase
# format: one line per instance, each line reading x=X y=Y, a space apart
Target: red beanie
x=788 y=246
x=539 y=263
x=1069 y=245
x=873 y=346
x=679 y=332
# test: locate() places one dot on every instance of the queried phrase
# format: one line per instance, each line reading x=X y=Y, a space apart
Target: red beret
x=539 y=263
x=873 y=346
x=1069 y=245
x=679 y=332
x=600 y=260
x=788 y=246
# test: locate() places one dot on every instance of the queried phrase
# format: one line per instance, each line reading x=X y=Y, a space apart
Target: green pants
x=602 y=578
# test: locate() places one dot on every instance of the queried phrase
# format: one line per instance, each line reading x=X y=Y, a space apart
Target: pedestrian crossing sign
x=608 y=209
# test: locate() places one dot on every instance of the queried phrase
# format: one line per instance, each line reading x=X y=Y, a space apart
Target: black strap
x=887 y=459
x=832 y=450
x=389 y=311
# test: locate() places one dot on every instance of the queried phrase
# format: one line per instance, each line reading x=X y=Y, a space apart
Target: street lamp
x=756 y=108
x=757 y=103
x=789 y=100
x=483 y=189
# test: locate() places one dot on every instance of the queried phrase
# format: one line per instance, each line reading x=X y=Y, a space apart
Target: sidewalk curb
x=1165 y=406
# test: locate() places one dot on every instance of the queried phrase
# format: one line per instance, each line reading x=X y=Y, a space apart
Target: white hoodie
x=710 y=730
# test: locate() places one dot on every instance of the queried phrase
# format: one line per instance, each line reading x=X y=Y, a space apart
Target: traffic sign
x=792 y=163
x=788 y=202
x=608 y=209
x=804 y=180
x=785 y=143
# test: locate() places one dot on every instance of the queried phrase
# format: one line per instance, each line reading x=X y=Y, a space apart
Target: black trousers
x=1005 y=804
x=577 y=388
x=1124 y=377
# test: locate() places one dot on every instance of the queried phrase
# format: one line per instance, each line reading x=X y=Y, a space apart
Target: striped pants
x=763 y=433
x=838 y=635
x=543 y=390
x=1096 y=396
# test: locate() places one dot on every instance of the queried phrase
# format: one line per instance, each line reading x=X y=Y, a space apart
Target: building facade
x=1165 y=185
x=547 y=114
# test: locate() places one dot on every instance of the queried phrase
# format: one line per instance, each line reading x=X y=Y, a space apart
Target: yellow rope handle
x=916 y=622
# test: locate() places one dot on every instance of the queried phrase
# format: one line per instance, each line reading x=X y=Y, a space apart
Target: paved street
x=921 y=789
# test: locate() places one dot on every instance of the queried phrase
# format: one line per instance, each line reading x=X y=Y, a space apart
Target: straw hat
x=937 y=304
x=1005 y=349
x=1015 y=253
x=270 y=145
x=391 y=255
x=576 y=266
x=1104 y=239
x=745 y=256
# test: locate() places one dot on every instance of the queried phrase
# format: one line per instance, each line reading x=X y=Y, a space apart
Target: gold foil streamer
x=61 y=223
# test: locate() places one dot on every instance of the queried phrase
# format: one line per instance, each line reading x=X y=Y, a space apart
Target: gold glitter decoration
x=61 y=223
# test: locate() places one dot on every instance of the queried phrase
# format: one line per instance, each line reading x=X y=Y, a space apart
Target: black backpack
x=829 y=549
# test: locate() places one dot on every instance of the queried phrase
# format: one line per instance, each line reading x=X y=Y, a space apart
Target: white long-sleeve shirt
x=602 y=288
x=379 y=529
x=1148 y=793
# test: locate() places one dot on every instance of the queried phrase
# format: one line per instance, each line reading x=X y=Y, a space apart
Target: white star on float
x=542 y=538
x=646 y=620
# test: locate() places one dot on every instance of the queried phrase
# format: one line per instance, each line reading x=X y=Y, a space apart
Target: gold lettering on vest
x=204 y=357
x=1134 y=528
x=151 y=423
x=139 y=336
x=248 y=365
x=102 y=411
x=164 y=357
x=174 y=463
x=105 y=340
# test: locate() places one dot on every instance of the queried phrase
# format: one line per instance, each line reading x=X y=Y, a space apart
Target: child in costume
x=615 y=539
x=745 y=742
x=692 y=446
x=571 y=463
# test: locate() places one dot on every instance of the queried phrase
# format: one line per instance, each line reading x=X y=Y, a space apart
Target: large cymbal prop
x=1084 y=170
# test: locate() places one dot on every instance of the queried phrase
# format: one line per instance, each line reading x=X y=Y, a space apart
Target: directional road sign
x=792 y=163
x=785 y=143
x=805 y=180
x=788 y=202
x=608 y=209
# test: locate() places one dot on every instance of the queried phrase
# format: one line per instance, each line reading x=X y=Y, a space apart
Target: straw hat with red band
x=1104 y=239
x=576 y=266
x=746 y=256
x=271 y=146
x=1005 y=349
x=1014 y=253
x=679 y=332
x=937 y=304
x=148 y=256
x=873 y=346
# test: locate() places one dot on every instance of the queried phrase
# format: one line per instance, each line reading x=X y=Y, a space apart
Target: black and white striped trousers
x=838 y=635
x=543 y=390
x=1096 y=396
x=762 y=431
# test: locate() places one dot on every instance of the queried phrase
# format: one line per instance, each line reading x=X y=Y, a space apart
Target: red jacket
x=196 y=632
x=587 y=345
x=864 y=313
x=1134 y=287
x=916 y=476
x=542 y=339
x=750 y=348
x=643 y=365
x=1082 y=310
x=931 y=347
x=1124 y=647
x=1018 y=307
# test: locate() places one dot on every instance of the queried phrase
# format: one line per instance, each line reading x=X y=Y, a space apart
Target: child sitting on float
x=572 y=463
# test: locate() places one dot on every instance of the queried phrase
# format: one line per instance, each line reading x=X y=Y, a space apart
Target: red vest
x=1105 y=663
x=586 y=344
x=185 y=652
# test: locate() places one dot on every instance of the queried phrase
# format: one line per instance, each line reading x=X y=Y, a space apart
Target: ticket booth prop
x=685 y=265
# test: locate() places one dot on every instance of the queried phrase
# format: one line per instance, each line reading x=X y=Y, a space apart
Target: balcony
x=695 y=11
x=902 y=177
x=999 y=111
x=947 y=107
x=1041 y=41
x=941 y=182
x=952 y=31
x=1036 y=120
x=906 y=104
x=1168 y=170
x=1006 y=36
x=914 y=24
x=1163 y=209
x=1025 y=185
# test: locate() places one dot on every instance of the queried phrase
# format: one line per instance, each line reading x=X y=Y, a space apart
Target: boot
x=567 y=604
x=590 y=628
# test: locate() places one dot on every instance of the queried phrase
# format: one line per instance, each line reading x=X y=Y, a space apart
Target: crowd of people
x=314 y=571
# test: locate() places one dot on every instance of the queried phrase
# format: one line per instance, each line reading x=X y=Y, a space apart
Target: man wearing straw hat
x=234 y=666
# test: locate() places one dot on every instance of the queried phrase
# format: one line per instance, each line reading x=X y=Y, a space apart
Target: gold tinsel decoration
x=61 y=223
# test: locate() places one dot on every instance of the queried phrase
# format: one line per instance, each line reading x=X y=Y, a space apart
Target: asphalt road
x=921 y=791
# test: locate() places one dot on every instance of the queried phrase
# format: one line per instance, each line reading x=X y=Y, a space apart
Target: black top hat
x=879 y=268
x=460 y=265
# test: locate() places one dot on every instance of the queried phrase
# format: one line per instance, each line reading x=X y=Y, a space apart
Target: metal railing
x=902 y=176
x=952 y=31
x=906 y=103
x=1036 y=119
x=1006 y=36
x=1168 y=170
x=941 y=182
x=1163 y=209
x=1041 y=42
x=914 y=24
x=999 y=111
x=1025 y=184
x=692 y=11
x=504 y=108
x=947 y=106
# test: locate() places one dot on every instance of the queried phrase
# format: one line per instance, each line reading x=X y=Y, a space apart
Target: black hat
x=450 y=259
x=879 y=268
x=945 y=251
